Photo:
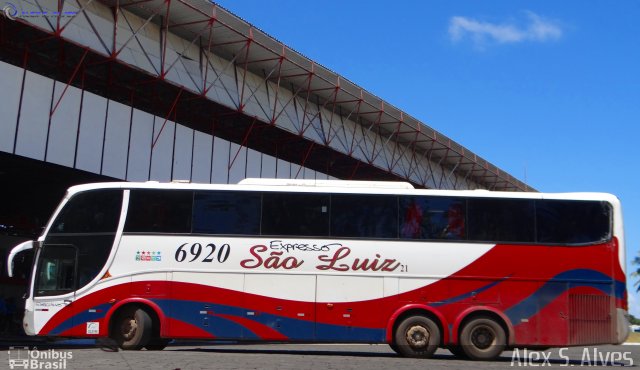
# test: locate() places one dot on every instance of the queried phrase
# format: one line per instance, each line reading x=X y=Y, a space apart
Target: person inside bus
x=413 y=218
x=455 y=222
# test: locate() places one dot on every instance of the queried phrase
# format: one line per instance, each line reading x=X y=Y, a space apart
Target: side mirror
x=17 y=249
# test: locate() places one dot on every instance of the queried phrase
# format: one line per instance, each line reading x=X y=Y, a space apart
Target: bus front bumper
x=28 y=323
x=623 y=326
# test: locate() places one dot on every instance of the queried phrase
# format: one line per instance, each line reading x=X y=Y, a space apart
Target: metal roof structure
x=196 y=63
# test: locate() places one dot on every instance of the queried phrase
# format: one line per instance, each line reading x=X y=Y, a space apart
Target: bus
x=472 y=271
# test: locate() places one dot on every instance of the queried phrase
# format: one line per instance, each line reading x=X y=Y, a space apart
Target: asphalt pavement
x=184 y=355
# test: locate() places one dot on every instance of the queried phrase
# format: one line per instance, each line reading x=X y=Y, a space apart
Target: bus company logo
x=146 y=256
x=25 y=358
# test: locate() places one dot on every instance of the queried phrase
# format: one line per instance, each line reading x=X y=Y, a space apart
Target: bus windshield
x=79 y=242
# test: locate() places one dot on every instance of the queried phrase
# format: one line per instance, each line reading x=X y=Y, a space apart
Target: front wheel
x=394 y=348
x=483 y=339
x=132 y=328
x=417 y=336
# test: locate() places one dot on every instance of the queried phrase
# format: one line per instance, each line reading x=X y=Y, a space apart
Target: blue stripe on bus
x=469 y=294
x=189 y=312
x=81 y=318
x=297 y=329
x=559 y=284
x=293 y=329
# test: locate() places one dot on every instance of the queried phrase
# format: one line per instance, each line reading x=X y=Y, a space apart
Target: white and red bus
x=476 y=272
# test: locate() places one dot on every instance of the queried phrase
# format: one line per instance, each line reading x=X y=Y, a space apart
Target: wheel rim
x=483 y=337
x=129 y=328
x=418 y=336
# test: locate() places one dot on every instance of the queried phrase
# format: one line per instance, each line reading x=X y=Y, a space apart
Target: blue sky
x=548 y=91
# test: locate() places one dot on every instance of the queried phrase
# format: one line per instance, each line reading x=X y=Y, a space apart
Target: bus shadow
x=247 y=349
x=553 y=362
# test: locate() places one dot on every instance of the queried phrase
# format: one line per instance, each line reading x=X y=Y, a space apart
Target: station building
x=164 y=90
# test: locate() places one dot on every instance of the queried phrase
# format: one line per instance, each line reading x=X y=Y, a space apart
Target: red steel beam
x=173 y=107
x=73 y=75
x=244 y=75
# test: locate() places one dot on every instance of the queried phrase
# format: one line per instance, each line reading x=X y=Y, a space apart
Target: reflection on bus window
x=56 y=270
x=432 y=218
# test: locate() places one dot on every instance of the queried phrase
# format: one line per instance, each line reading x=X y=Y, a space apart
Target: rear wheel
x=483 y=339
x=132 y=328
x=457 y=351
x=417 y=336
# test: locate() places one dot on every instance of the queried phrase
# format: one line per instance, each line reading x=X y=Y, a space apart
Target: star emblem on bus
x=147 y=256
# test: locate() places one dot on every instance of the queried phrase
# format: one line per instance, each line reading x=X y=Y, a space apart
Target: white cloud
x=535 y=28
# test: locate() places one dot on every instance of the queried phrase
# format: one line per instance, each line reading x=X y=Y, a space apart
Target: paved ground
x=300 y=357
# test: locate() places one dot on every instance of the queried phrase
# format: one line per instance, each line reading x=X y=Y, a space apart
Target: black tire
x=483 y=339
x=157 y=344
x=458 y=352
x=417 y=336
x=132 y=328
x=394 y=348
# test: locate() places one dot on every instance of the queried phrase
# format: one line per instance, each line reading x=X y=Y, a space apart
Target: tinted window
x=56 y=270
x=365 y=216
x=566 y=221
x=501 y=220
x=159 y=211
x=295 y=214
x=95 y=211
x=432 y=218
x=224 y=212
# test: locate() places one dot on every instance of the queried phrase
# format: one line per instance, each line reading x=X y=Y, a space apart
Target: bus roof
x=341 y=186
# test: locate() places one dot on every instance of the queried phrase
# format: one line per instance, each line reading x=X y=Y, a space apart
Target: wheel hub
x=418 y=336
x=129 y=328
x=482 y=337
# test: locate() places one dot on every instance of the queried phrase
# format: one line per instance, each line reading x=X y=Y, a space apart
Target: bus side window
x=432 y=218
x=364 y=216
x=159 y=211
x=226 y=212
x=90 y=212
x=573 y=222
x=295 y=214
x=501 y=220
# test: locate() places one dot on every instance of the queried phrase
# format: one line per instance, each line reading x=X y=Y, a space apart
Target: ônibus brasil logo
x=25 y=358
